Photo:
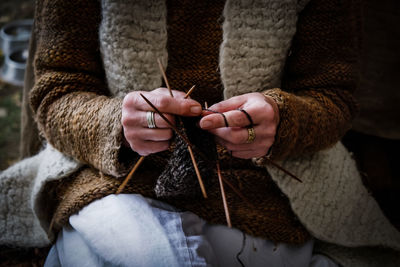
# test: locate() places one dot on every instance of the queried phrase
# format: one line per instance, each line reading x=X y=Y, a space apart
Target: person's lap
x=130 y=230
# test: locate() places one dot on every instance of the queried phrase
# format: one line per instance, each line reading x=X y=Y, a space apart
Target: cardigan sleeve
x=315 y=102
x=70 y=97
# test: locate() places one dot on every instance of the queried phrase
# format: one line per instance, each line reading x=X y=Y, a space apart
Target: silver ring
x=151 y=121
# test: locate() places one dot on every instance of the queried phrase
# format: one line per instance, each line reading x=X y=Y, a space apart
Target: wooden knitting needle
x=228 y=183
x=167 y=121
x=203 y=190
x=221 y=186
x=188 y=143
x=160 y=65
x=129 y=176
x=189 y=92
x=282 y=169
x=224 y=201
x=177 y=131
x=237 y=192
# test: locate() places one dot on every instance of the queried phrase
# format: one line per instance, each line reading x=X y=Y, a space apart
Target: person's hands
x=146 y=141
x=265 y=115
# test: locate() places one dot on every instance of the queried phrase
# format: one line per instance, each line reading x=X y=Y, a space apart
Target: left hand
x=264 y=113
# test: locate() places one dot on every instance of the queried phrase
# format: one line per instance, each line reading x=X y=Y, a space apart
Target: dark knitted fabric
x=192 y=60
x=76 y=116
x=323 y=57
x=194 y=37
x=69 y=97
x=264 y=213
x=179 y=177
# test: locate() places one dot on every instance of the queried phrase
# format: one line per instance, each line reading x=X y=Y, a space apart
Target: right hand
x=140 y=138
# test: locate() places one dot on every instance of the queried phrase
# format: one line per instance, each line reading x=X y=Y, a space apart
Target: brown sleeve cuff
x=310 y=120
x=88 y=127
x=279 y=147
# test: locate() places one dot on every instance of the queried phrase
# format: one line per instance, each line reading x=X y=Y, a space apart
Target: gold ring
x=251 y=136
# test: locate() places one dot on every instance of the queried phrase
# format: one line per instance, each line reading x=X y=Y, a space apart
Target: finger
x=139 y=119
x=167 y=104
x=259 y=113
x=236 y=147
x=238 y=136
x=248 y=154
x=158 y=120
x=229 y=104
x=253 y=107
x=233 y=135
x=139 y=135
x=262 y=145
x=233 y=118
x=145 y=148
x=260 y=149
x=155 y=134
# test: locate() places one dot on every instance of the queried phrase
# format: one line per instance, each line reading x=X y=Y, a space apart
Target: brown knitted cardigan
x=76 y=115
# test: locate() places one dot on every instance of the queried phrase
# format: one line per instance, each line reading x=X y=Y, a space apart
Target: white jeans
x=130 y=230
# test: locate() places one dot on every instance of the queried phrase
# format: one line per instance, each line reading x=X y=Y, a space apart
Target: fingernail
x=206 y=124
x=195 y=109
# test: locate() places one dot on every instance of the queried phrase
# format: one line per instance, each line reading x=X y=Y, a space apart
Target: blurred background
x=10 y=113
x=373 y=139
x=10 y=95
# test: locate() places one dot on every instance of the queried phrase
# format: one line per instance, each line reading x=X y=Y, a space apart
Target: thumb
x=229 y=104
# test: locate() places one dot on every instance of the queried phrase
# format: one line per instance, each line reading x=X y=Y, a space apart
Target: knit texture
x=19 y=226
x=21 y=193
x=179 y=178
x=254 y=50
x=194 y=39
x=137 y=32
x=298 y=133
x=311 y=206
x=85 y=125
x=261 y=215
x=331 y=72
x=361 y=256
x=88 y=128
x=55 y=79
x=126 y=64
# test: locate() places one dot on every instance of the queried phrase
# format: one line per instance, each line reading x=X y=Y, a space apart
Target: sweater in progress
x=78 y=117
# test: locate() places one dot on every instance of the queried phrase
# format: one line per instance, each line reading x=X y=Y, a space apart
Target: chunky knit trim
x=358 y=220
x=18 y=223
x=139 y=45
x=252 y=54
x=325 y=183
x=253 y=51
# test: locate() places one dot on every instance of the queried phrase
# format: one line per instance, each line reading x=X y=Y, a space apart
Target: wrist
x=270 y=100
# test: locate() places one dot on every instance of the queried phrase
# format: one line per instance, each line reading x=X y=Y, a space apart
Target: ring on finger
x=251 y=135
x=151 y=121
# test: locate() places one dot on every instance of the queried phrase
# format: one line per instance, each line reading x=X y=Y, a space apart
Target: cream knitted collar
x=256 y=38
x=331 y=202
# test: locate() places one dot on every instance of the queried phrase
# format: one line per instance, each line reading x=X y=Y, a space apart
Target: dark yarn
x=179 y=177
